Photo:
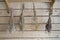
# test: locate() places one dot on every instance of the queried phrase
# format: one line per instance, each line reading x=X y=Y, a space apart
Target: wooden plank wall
x=29 y=0
x=42 y=18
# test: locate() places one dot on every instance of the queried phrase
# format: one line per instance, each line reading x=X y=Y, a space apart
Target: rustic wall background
x=42 y=19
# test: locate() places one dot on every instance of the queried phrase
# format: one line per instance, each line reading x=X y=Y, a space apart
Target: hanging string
x=21 y=21
x=35 y=18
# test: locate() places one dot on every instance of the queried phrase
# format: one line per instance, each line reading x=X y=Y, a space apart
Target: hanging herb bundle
x=12 y=27
x=49 y=25
x=21 y=21
x=35 y=18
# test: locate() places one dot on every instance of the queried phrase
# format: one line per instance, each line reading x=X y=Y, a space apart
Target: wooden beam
x=29 y=0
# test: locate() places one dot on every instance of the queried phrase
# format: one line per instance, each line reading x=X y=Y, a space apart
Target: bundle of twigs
x=49 y=25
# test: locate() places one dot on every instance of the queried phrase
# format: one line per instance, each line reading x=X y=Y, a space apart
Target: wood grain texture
x=29 y=0
x=29 y=35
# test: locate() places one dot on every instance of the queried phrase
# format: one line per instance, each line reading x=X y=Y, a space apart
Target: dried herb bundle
x=21 y=21
x=12 y=27
x=34 y=18
x=49 y=25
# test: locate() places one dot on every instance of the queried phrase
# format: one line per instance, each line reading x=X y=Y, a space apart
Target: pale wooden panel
x=16 y=5
x=42 y=27
x=42 y=19
x=9 y=39
x=28 y=13
x=56 y=5
x=18 y=39
x=30 y=34
x=16 y=20
x=7 y=19
x=56 y=27
x=30 y=27
x=30 y=0
x=3 y=13
x=29 y=39
x=4 y=27
x=57 y=0
x=30 y=19
x=56 y=12
x=46 y=12
x=4 y=20
x=25 y=13
x=41 y=5
x=28 y=5
x=2 y=5
x=55 y=19
x=40 y=34
x=26 y=27
x=39 y=19
x=52 y=39
x=15 y=12
x=42 y=12
x=37 y=5
x=39 y=27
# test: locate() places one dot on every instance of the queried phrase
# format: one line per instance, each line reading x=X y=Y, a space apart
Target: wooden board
x=29 y=1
